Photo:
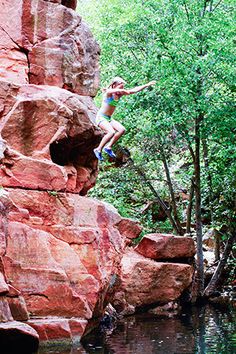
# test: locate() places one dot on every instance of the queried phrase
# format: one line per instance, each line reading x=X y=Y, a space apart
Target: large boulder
x=143 y=282
x=166 y=247
x=47 y=139
x=18 y=337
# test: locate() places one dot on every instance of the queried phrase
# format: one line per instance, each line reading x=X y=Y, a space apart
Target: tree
x=188 y=117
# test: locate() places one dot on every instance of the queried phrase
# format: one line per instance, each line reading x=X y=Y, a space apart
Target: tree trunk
x=189 y=209
x=209 y=181
x=171 y=190
x=197 y=187
x=158 y=198
x=217 y=246
x=217 y=276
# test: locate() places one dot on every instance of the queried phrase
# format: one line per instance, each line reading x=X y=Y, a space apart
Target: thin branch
x=211 y=5
x=217 y=5
x=162 y=204
x=204 y=8
x=216 y=278
x=187 y=12
x=191 y=152
x=135 y=56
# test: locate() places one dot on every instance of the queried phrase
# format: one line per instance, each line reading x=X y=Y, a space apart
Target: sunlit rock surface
x=164 y=246
x=143 y=282
x=47 y=43
x=48 y=136
x=59 y=255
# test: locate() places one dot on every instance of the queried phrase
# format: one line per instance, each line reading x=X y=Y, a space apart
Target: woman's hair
x=117 y=80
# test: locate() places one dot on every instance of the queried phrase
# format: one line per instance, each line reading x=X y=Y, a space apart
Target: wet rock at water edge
x=17 y=337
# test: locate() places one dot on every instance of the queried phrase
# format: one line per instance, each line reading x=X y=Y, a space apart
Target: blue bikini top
x=111 y=101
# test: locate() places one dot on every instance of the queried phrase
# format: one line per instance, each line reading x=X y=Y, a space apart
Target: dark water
x=198 y=330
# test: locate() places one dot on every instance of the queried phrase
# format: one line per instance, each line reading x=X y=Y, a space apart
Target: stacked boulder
x=154 y=274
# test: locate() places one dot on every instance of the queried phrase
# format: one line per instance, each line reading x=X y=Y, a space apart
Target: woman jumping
x=113 y=129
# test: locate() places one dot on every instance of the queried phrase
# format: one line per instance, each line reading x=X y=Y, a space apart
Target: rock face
x=47 y=133
x=48 y=136
x=59 y=253
x=47 y=43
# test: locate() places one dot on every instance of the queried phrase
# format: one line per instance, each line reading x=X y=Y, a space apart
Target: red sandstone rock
x=62 y=255
x=77 y=327
x=43 y=42
x=49 y=136
x=145 y=282
x=129 y=228
x=58 y=328
x=161 y=246
x=68 y=239
x=5 y=312
x=3 y=286
x=2 y=241
x=16 y=336
x=42 y=268
x=18 y=308
x=13 y=61
x=13 y=292
x=52 y=329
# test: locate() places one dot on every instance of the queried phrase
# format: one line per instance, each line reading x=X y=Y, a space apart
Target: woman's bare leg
x=119 y=130
x=109 y=130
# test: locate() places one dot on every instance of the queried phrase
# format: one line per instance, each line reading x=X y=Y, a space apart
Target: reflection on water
x=198 y=330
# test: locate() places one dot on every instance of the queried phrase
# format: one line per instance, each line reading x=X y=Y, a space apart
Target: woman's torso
x=109 y=104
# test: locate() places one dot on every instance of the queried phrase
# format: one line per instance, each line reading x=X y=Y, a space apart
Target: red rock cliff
x=47 y=132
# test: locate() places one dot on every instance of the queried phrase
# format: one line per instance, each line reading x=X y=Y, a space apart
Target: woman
x=113 y=129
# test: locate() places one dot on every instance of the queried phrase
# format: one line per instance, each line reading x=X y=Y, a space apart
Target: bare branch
x=211 y=5
x=135 y=56
x=191 y=152
x=218 y=274
x=204 y=8
x=186 y=10
x=216 y=5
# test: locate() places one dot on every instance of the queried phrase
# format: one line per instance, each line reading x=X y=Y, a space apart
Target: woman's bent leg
x=119 y=131
x=107 y=127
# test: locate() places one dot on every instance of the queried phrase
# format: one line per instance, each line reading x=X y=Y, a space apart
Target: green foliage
x=188 y=47
x=53 y=193
x=231 y=266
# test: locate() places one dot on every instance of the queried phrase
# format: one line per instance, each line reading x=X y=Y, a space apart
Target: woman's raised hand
x=153 y=82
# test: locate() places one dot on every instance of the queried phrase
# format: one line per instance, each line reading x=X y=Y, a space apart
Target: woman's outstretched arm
x=122 y=91
x=118 y=91
x=140 y=88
